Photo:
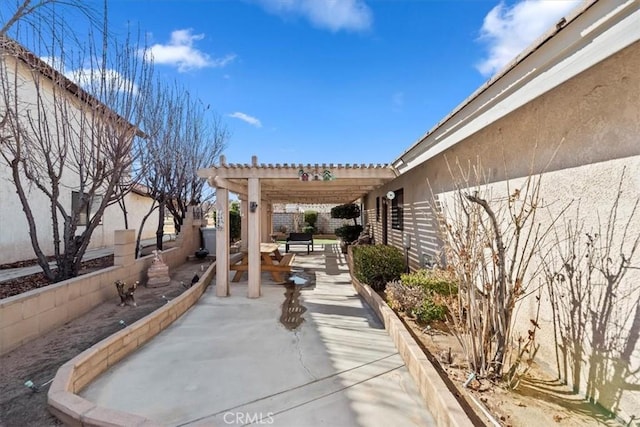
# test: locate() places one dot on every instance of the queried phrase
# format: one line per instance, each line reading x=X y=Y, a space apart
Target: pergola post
x=253 y=237
x=260 y=185
x=222 y=242
x=265 y=230
x=269 y=222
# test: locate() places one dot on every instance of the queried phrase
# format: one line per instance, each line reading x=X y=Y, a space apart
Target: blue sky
x=342 y=81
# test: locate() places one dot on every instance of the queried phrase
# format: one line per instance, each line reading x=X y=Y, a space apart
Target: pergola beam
x=235 y=187
x=260 y=185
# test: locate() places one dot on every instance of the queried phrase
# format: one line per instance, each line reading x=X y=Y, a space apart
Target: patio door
x=385 y=212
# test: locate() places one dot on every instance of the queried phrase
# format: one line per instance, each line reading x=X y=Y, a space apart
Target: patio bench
x=299 y=239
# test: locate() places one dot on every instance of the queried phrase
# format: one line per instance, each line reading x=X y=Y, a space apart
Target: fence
x=286 y=222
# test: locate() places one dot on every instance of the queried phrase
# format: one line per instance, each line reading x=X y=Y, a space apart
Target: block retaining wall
x=32 y=314
x=444 y=407
x=63 y=399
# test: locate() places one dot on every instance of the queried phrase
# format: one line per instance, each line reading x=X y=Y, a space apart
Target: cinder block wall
x=32 y=314
x=325 y=223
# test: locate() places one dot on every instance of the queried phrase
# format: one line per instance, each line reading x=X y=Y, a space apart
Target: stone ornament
x=158 y=273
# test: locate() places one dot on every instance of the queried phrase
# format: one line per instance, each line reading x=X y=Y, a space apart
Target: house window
x=377 y=209
x=90 y=209
x=397 y=206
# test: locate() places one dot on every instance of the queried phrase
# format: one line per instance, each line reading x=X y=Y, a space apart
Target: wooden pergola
x=260 y=185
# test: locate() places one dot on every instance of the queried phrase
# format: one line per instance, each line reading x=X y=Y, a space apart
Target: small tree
x=347 y=233
x=489 y=243
x=310 y=218
x=182 y=137
x=68 y=140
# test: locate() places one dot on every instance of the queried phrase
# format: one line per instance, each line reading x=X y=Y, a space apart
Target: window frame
x=92 y=206
x=397 y=210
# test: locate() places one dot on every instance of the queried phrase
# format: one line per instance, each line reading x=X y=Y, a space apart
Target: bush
x=436 y=288
x=376 y=265
x=310 y=218
x=348 y=211
x=348 y=233
x=403 y=298
x=436 y=281
x=308 y=229
x=430 y=311
x=235 y=223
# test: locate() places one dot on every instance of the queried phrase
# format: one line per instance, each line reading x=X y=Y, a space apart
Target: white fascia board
x=593 y=37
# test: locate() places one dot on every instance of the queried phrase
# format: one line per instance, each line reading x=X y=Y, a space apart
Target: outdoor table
x=271 y=260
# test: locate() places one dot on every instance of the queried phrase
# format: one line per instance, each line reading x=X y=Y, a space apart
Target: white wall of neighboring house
x=569 y=109
x=15 y=243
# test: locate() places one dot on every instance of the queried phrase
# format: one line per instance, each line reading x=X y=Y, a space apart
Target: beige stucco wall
x=137 y=207
x=15 y=244
x=593 y=121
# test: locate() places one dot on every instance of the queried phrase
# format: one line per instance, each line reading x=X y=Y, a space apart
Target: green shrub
x=376 y=265
x=310 y=218
x=348 y=211
x=348 y=233
x=234 y=221
x=234 y=225
x=435 y=281
x=308 y=229
x=430 y=311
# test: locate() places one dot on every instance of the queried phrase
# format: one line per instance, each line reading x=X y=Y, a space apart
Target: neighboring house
x=15 y=244
x=567 y=107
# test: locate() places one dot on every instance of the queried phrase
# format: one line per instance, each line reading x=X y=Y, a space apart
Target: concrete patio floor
x=229 y=361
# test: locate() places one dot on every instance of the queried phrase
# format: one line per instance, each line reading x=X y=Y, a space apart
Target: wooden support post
x=265 y=230
x=244 y=227
x=222 y=242
x=253 y=238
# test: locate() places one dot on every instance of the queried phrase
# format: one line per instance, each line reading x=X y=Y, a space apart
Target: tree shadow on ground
x=558 y=393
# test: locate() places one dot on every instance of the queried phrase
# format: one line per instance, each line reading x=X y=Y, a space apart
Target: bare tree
x=70 y=132
x=489 y=242
x=39 y=13
x=182 y=136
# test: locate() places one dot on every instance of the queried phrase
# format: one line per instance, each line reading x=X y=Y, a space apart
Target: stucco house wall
x=583 y=136
x=15 y=243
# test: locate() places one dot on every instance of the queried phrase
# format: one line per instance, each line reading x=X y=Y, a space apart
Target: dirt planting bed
x=39 y=359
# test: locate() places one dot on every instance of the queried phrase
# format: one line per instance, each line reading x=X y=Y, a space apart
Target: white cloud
x=181 y=53
x=334 y=15
x=246 y=118
x=91 y=79
x=54 y=62
x=507 y=31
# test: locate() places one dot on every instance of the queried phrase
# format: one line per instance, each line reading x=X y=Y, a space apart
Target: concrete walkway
x=229 y=361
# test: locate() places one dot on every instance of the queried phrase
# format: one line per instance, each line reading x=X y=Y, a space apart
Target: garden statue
x=158 y=273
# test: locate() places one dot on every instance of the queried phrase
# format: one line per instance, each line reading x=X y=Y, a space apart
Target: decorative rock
x=158 y=273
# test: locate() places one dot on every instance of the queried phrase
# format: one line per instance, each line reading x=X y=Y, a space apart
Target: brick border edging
x=443 y=405
x=75 y=374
